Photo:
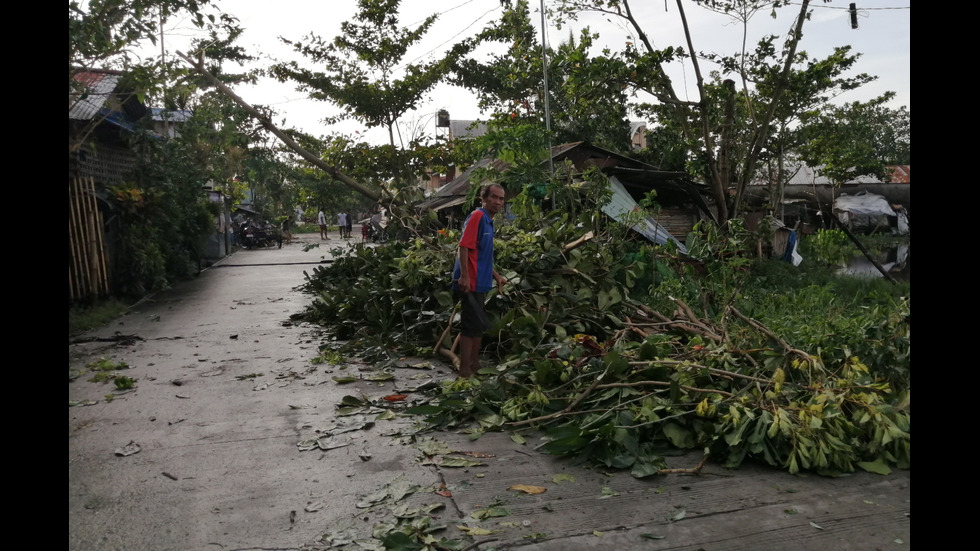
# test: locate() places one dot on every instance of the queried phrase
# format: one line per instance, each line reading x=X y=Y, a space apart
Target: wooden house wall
x=91 y=249
x=108 y=164
x=678 y=221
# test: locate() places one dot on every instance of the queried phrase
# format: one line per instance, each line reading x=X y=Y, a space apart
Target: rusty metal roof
x=89 y=92
x=97 y=93
x=901 y=174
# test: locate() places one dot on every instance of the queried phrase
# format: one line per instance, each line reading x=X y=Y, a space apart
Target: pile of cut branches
x=624 y=353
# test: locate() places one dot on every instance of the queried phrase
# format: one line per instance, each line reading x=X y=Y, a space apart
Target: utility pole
x=547 y=107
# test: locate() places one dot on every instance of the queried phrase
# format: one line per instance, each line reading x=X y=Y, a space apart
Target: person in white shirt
x=321 y=220
x=341 y=223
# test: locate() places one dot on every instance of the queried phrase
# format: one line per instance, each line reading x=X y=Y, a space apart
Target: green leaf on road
x=489 y=512
x=878 y=466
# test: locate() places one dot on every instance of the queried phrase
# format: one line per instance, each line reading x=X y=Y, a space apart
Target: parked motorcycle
x=259 y=235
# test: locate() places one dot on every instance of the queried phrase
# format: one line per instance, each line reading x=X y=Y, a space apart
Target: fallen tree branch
x=684 y=325
x=567 y=409
x=578 y=242
x=768 y=332
x=693 y=318
x=263 y=119
x=712 y=370
x=118 y=337
x=693 y=470
x=666 y=385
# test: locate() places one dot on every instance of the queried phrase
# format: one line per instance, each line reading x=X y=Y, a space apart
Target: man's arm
x=465 y=285
x=501 y=281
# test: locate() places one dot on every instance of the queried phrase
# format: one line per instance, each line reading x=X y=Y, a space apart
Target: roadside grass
x=84 y=318
x=305 y=228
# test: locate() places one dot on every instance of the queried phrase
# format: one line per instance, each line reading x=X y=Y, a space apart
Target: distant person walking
x=321 y=220
x=341 y=223
x=286 y=234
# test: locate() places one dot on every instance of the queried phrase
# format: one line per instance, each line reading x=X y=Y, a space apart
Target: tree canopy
x=359 y=70
x=749 y=111
x=856 y=139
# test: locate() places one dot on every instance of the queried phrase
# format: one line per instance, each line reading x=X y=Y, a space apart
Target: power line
x=826 y=7
x=450 y=39
x=447 y=11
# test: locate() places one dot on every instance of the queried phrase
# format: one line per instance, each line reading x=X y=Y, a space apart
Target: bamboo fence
x=88 y=276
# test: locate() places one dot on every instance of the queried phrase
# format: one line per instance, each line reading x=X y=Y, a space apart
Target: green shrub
x=829 y=247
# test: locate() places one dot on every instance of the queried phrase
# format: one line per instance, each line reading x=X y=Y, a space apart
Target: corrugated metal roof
x=455 y=191
x=622 y=206
x=466 y=129
x=90 y=93
x=901 y=174
x=809 y=176
x=95 y=94
x=583 y=154
x=170 y=115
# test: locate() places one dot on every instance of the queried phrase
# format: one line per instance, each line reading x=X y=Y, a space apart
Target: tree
x=359 y=67
x=107 y=33
x=857 y=139
x=110 y=34
x=587 y=93
x=811 y=84
x=375 y=167
x=159 y=216
x=727 y=131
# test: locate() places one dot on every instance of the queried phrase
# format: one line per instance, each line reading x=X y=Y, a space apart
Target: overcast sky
x=882 y=37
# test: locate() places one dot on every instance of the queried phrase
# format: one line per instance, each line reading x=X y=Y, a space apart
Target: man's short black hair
x=485 y=192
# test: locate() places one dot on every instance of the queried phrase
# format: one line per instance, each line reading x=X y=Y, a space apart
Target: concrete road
x=233 y=440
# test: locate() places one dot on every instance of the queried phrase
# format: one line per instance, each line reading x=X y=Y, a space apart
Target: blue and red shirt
x=477 y=236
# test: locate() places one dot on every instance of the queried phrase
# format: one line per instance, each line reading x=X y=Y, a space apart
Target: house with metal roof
x=101 y=110
x=681 y=202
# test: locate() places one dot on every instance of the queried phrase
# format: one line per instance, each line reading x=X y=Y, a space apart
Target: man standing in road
x=474 y=276
x=321 y=220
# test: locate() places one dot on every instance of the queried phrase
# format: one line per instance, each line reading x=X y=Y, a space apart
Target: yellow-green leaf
x=528 y=489
x=474 y=530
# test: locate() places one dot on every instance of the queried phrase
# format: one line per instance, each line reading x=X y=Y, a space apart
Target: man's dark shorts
x=473 y=320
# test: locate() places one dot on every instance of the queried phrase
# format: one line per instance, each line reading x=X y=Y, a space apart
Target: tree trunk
x=765 y=124
x=724 y=152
